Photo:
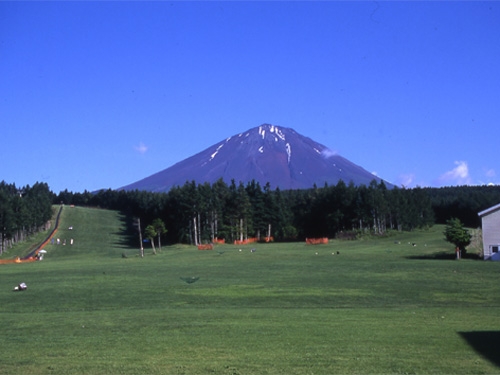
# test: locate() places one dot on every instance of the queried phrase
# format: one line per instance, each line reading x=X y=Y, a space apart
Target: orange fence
x=219 y=240
x=17 y=260
x=247 y=241
x=316 y=241
x=206 y=247
x=253 y=239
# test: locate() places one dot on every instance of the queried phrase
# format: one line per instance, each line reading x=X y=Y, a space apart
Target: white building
x=490 y=219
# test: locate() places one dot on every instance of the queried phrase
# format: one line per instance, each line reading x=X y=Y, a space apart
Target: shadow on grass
x=443 y=256
x=128 y=234
x=485 y=343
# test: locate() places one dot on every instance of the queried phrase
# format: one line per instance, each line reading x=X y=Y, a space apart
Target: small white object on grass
x=20 y=287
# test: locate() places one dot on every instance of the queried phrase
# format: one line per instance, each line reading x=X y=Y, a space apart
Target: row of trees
x=462 y=202
x=200 y=213
x=23 y=212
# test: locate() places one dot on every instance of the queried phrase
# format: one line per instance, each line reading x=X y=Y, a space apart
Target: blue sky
x=101 y=94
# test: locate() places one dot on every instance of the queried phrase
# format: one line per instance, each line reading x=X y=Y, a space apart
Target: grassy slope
x=377 y=307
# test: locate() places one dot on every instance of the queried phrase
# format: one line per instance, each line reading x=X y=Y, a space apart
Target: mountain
x=266 y=153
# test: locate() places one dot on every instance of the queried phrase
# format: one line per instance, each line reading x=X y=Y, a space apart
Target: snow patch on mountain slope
x=216 y=152
x=279 y=133
x=262 y=132
x=272 y=130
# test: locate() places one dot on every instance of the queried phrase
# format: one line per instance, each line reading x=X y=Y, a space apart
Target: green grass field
x=381 y=306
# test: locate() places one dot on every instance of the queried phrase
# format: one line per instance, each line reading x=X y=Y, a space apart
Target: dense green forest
x=463 y=202
x=199 y=213
x=23 y=212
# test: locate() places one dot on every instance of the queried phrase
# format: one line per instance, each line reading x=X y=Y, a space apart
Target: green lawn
x=381 y=306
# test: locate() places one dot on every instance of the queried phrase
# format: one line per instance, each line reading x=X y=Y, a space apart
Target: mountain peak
x=267 y=154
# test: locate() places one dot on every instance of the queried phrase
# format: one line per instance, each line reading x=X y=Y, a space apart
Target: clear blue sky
x=101 y=94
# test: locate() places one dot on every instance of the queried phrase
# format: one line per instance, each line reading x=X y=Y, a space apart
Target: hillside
x=95 y=232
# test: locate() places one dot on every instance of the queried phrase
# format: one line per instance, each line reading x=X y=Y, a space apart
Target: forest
x=23 y=212
x=203 y=213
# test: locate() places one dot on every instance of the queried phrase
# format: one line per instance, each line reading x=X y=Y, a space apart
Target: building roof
x=489 y=210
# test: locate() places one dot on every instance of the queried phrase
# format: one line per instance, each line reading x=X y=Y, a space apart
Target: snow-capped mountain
x=265 y=154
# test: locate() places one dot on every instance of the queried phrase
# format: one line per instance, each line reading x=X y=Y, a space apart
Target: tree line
x=463 y=202
x=23 y=212
x=201 y=213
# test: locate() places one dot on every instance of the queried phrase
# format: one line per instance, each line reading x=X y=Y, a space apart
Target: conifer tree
x=457 y=234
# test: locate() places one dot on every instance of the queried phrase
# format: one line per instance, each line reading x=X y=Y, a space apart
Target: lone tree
x=159 y=228
x=457 y=234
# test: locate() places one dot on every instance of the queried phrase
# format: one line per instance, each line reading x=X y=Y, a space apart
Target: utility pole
x=138 y=223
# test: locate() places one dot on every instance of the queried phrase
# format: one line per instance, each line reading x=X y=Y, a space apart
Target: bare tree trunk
x=212 y=227
x=199 y=229
x=141 y=252
x=195 y=231
x=216 y=234
x=159 y=241
x=153 y=245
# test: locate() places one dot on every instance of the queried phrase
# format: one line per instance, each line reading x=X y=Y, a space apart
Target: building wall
x=491 y=234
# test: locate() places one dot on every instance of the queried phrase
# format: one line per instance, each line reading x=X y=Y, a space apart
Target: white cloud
x=327 y=153
x=490 y=173
x=490 y=177
x=457 y=176
x=406 y=180
x=141 y=149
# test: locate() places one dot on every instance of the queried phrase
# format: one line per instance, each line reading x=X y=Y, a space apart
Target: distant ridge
x=267 y=154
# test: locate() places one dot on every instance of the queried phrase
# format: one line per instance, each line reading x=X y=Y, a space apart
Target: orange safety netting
x=245 y=242
x=17 y=260
x=316 y=241
x=206 y=247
